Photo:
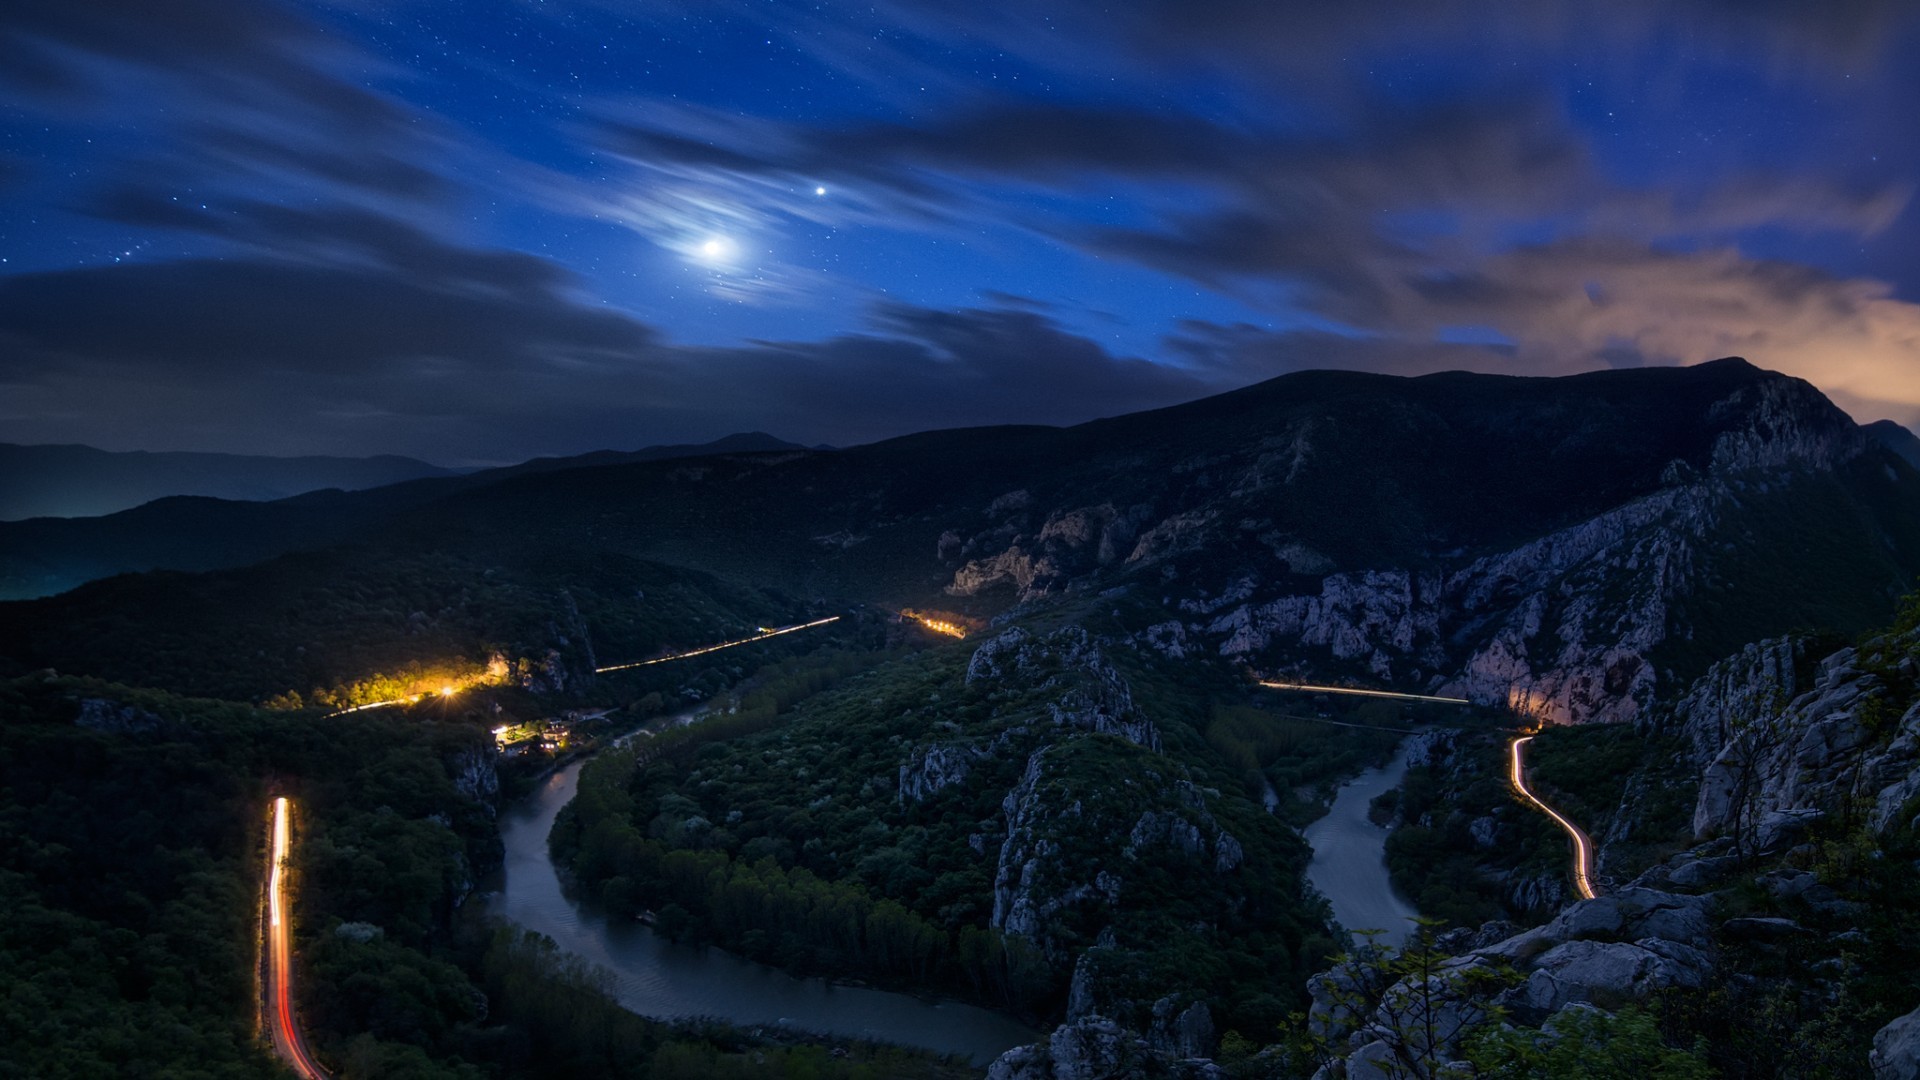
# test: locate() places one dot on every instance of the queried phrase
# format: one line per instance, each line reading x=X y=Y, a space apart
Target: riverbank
x=1349 y=864
x=668 y=980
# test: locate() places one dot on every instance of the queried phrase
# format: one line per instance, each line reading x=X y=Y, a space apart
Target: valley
x=1033 y=750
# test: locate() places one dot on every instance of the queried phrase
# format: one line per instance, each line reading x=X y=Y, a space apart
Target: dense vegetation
x=843 y=807
x=132 y=826
x=345 y=626
x=793 y=839
x=1465 y=849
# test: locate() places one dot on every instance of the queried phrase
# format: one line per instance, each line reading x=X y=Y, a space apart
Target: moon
x=716 y=248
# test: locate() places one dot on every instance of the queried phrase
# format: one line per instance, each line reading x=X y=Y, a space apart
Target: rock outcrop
x=1092 y=694
x=1607 y=952
x=1896 y=1049
x=1563 y=626
x=1778 y=763
x=1095 y=1048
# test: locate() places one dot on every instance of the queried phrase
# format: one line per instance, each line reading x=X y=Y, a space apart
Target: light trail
x=938 y=626
x=287 y=1041
x=1362 y=693
x=415 y=699
x=716 y=648
x=371 y=705
x=1582 y=847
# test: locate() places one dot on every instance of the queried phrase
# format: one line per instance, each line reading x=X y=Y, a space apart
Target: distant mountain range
x=71 y=481
x=1566 y=545
x=189 y=530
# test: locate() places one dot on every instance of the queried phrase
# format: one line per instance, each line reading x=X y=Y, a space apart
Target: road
x=287 y=1040
x=1356 y=692
x=762 y=636
x=1582 y=846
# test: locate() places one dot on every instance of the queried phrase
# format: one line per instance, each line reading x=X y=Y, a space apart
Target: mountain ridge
x=1564 y=546
x=71 y=480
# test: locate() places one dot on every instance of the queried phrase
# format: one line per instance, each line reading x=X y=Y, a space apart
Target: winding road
x=287 y=1040
x=1582 y=846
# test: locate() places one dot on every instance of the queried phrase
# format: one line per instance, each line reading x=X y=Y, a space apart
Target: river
x=1349 y=864
x=660 y=978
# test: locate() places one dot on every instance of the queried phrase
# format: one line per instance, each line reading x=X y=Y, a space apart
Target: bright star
x=716 y=248
x=819 y=191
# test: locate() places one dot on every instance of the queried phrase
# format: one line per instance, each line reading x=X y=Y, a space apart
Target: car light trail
x=1582 y=847
x=413 y=699
x=1362 y=693
x=723 y=645
x=938 y=626
x=370 y=705
x=286 y=1036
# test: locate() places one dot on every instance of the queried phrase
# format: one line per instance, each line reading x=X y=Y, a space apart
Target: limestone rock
x=1896 y=1049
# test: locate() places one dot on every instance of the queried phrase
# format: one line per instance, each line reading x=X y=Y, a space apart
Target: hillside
x=1897 y=439
x=187 y=531
x=1084 y=813
x=1565 y=546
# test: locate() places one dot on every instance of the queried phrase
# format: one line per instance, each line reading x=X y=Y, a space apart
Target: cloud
x=231 y=48
x=292 y=357
x=376 y=171
x=337 y=234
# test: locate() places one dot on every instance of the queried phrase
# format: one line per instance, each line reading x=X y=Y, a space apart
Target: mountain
x=1086 y=812
x=69 y=481
x=1897 y=439
x=745 y=442
x=1563 y=546
x=185 y=531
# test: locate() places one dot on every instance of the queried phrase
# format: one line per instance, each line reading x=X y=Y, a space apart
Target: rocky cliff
x=1808 y=776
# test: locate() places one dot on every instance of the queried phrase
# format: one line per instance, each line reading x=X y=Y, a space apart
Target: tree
x=1585 y=1043
x=1413 y=1007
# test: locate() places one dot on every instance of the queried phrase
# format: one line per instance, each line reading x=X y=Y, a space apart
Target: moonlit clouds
x=242 y=224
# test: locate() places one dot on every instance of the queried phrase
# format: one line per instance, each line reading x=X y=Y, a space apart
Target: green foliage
x=1413 y=999
x=1821 y=550
x=130 y=865
x=1582 y=771
x=1586 y=1044
x=1280 y=751
x=1432 y=855
x=349 y=626
x=781 y=832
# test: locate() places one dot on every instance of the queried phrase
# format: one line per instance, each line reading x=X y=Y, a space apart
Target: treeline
x=786 y=916
x=754 y=706
x=560 y=1020
x=1287 y=753
x=318 y=623
x=797 y=842
x=792 y=918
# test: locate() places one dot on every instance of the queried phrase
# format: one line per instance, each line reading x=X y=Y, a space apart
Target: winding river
x=1349 y=864
x=660 y=978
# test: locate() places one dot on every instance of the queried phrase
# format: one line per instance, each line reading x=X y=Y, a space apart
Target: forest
x=132 y=829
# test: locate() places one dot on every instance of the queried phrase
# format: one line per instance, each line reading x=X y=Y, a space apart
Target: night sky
x=480 y=231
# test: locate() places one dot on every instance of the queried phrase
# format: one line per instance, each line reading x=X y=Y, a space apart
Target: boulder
x=1606 y=974
x=1896 y=1049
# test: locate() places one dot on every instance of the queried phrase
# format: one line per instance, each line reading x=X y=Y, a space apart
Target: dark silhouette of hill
x=195 y=531
x=1897 y=439
x=1574 y=536
x=80 y=481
